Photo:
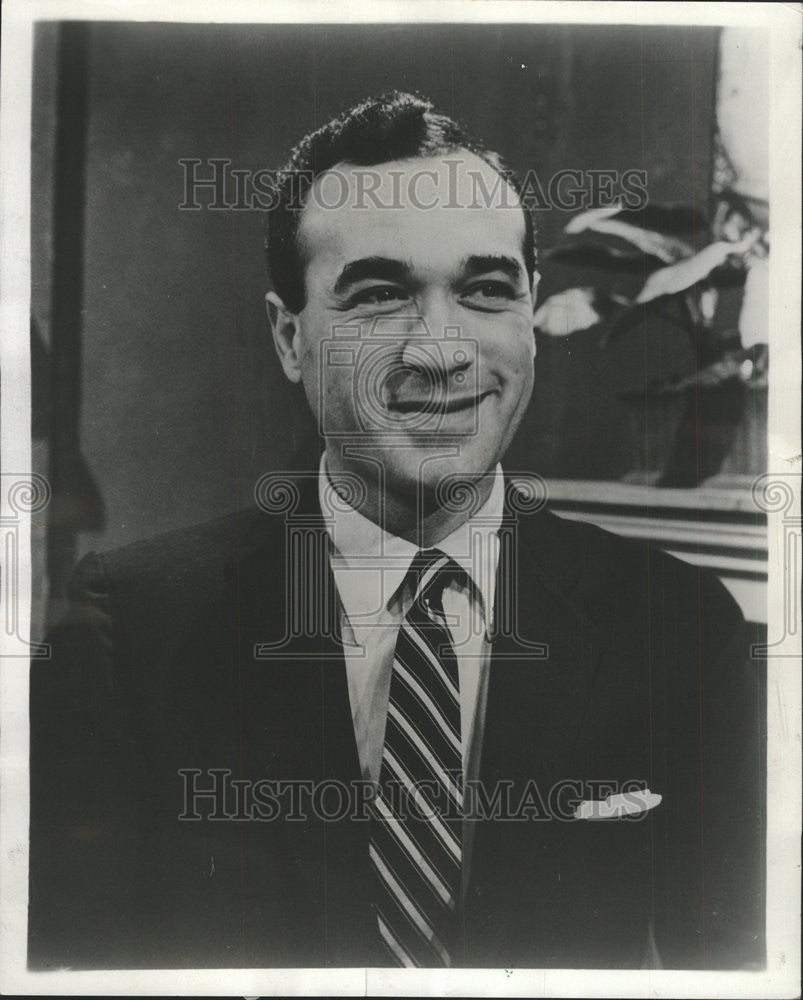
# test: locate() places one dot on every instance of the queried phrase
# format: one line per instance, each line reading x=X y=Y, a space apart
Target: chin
x=425 y=469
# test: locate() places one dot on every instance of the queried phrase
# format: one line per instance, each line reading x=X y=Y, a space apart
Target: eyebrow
x=390 y=269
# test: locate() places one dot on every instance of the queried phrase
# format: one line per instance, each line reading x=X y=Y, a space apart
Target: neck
x=412 y=515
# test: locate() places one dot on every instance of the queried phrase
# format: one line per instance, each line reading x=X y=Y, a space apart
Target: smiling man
x=432 y=296
x=401 y=714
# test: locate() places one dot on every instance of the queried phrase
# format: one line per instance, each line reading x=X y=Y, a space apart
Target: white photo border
x=782 y=975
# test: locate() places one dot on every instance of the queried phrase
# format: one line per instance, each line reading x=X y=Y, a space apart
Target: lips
x=439 y=404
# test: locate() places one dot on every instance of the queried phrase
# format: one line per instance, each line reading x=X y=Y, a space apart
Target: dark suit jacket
x=646 y=679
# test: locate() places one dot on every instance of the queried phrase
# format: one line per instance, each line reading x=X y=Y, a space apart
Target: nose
x=436 y=344
x=445 y=359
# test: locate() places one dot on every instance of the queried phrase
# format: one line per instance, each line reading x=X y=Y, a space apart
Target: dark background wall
x=182 y=403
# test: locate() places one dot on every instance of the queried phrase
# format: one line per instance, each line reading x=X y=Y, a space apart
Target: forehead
x=432 y=211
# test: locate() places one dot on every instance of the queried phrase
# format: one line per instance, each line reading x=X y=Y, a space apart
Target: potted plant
x=685 y=288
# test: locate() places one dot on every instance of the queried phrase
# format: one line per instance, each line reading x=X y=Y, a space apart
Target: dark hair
x=393 y=126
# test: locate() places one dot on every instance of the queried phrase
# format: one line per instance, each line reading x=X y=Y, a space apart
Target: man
x=400 y=714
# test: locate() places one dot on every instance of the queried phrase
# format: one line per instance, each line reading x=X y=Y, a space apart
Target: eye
x=379 y=295
x=489 y=291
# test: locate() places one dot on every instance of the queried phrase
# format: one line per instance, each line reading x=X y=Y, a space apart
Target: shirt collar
x=371 y=563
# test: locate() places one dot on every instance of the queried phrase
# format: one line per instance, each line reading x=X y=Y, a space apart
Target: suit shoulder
x=595 y=566
x=185 y=560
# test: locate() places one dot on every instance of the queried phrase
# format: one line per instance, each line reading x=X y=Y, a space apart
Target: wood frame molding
x=720 y=528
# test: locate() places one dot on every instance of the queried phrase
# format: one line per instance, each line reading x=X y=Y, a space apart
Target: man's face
x=415 y=346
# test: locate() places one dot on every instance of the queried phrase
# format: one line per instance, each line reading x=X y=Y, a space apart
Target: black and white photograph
x=401 y=499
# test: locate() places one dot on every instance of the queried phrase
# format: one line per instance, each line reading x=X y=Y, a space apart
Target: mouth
x=439 y=404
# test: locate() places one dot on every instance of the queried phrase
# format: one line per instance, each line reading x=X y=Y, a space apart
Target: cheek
x=308 y=355
x=338 y=405
x=511 y=352
x=310 y=379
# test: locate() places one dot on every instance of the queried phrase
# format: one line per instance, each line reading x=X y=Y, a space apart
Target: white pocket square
x=615 y=806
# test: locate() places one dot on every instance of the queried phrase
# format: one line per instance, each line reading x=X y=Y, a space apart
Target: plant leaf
x=727 y=276
x=590 y=219
x=707 y=303
x=665 y=248
x=755 y=312
x=685 y=273
x=588 y=253
x=599 y=220
x=713 y=375
x=672 y=218
x=567 y=312
x=633 y=314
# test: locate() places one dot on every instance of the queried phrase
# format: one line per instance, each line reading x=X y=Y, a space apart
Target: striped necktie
x=416 y=833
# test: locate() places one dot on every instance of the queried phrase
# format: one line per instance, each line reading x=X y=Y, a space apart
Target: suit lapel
x=292 y=676
x=294 y=694
x=544 y=655
x=543 y=664
x=296 y=721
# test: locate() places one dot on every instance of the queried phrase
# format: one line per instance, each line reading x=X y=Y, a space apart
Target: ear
x=285 y=328
x=534 y=294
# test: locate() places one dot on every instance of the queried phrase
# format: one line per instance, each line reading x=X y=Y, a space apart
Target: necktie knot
x=431 y=571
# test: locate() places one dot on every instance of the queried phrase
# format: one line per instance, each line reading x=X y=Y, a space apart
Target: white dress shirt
x=370 y=566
